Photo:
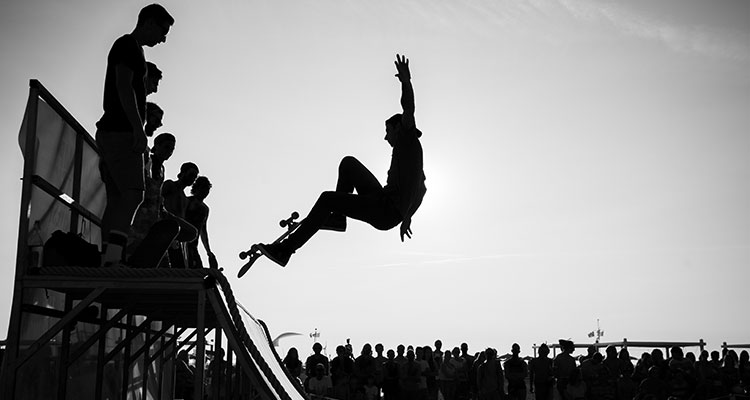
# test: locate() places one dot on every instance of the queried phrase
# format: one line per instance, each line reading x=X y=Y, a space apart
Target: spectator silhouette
x=292 y=363
x=575 y=387
x=540 y=374
x=563 y=365
x=625 y=384
x=315 y=359
x=653 y=386
x=490 y=379
x=744 y=370
x=382 y=207
x=185 y=377
x=342 y=368
x=447 y=376
x=196 y=213
x=391 y=377
x=516 y=372
x=430 y=373
x=380 y=360
x=120 y=131
x=319 y=382
x=411 y=374
x=364 y=367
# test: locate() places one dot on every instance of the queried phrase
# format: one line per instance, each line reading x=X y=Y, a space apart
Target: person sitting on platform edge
x=381 y=207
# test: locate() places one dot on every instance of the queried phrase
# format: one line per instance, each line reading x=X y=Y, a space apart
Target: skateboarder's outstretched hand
x=406 y=228
x=402 y=66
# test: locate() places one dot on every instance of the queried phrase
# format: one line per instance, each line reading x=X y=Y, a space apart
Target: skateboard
x=254 y=253
x=156 y=243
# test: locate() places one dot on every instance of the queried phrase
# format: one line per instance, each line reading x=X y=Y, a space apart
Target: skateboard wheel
x=243 y=255
x=295 y=215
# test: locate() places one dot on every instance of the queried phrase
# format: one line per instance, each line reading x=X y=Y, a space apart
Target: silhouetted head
x=292 y=354
x=390 y=354
x=154 y=116
x=188 y=173
x=624 y=354
x=657 y=356
x=611 y=351
x=464 y=348
x=703 y=356
x=153 y=25
x=456 y=352
x=744 y=357
x=489 y=353
x=591 y=350
x=201 y=187
x=317 y=348
x=410 y=355
x=690 y=356
x=676 y=352
x=715 y=356
x=438 y=345
x=153 y=76
x=597 y=358
x=340 y=350
x=419 y=353
x=164 y=146
x=731 y=359
x=515 y=349
x=448 y=355
x=400 y=349
x=183 y=355
x=366 y=350
x=379 y=348
x=543 y=350
x=392 y=127
x=320 y=370
x=567 y=345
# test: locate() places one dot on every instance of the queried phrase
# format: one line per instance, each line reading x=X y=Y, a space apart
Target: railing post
x=200 y=356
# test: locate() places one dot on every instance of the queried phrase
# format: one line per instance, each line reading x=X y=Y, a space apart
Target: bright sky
x=584 y=159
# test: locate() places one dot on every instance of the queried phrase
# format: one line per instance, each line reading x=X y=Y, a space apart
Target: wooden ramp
x=115 y=333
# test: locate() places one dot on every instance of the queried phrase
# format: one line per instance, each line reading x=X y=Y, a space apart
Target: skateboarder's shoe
x=335 y=222
x=275 y=252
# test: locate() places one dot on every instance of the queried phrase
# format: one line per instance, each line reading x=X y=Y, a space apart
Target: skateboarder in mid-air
x=381 y=207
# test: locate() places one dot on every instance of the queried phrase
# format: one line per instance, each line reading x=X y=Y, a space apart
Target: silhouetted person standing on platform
x=175 y=202
x=196 y=213
x=120 y=133
x=382 y=207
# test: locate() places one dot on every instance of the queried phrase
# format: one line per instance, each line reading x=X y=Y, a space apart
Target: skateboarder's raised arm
x=407 y=92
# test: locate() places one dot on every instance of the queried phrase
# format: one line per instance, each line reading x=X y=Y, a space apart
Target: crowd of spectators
x=434 y=373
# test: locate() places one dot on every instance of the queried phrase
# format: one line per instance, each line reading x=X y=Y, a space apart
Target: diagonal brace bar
x=55 y=329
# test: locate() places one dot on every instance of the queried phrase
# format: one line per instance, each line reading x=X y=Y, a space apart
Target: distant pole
x=315 y=335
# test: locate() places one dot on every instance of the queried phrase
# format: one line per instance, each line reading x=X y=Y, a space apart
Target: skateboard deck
x=156 y=243
x=254 y=253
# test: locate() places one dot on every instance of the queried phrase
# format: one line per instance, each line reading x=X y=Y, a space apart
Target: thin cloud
x=698 y=40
